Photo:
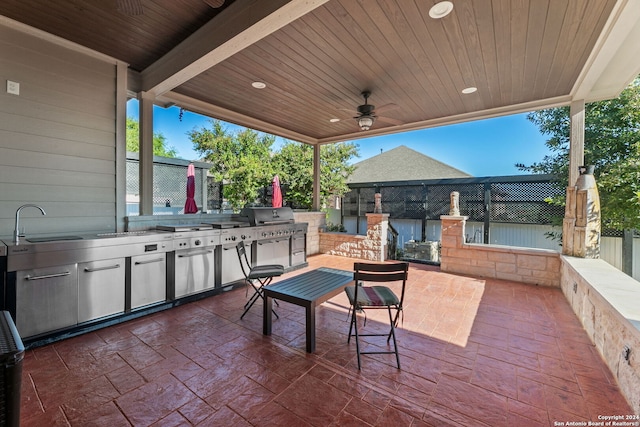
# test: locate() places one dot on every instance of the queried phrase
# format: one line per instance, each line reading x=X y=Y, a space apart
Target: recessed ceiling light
x=334 y=120
x=259 y=85
x=440 y=9
x=468 y=90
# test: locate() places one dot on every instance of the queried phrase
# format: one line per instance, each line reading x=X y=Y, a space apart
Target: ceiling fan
x=367 y=113
x=134 y=7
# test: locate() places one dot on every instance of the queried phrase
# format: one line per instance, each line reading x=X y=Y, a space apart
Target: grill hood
x=268 y=216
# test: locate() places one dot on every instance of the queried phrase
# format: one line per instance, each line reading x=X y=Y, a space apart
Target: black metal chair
x=257 y=276
x=376 y=297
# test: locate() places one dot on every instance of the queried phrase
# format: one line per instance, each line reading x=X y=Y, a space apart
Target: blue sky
x=488 y=147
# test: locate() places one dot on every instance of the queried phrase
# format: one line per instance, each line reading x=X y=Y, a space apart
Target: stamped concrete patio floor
x=474 y=352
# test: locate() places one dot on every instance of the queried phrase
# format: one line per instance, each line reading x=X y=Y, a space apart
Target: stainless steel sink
x=52 y=239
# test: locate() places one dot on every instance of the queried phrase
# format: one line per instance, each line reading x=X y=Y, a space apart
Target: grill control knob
x=243 y=237
x=233 y=238
x=197 y=242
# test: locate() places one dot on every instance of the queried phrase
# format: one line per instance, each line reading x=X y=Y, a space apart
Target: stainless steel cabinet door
x=100 y=288
x=148 y=279
x=195 y=271
x=275 y=251
x=46 y=299
x=230 y=270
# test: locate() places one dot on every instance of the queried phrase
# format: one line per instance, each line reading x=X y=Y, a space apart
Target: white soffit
x=615 y=60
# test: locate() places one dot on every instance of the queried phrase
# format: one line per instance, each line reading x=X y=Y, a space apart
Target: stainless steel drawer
x=100 y=288
x=148 y=279
x=46 y=299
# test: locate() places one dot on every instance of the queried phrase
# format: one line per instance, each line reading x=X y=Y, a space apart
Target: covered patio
x=475 y=352
x=487 y=350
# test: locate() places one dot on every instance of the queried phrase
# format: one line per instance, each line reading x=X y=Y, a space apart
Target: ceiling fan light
x=365 y=122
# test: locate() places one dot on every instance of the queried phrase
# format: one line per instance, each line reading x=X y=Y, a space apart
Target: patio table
x=306 y=290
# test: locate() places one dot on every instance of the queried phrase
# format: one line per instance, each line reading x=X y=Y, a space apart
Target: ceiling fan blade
x=390 y=121
x=214 y=3
x=130 y=7
x=387 y=107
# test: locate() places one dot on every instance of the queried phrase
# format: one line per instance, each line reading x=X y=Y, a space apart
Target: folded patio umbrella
x=190 y=205
x=276 y=201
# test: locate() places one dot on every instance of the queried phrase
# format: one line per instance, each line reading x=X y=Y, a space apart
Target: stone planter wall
x=371 y=246
x=526 y=265
x=606 y=302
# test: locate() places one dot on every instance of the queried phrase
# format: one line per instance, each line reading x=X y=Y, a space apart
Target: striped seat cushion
x=261 y=271
x=373 y=296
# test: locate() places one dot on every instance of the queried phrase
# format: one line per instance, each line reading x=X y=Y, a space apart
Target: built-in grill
x=268 y=216
x=274 y=244
x=271 y=236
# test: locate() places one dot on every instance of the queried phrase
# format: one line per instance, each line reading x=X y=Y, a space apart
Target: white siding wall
x=524 y=235
x=57 y=138
x=611 y=251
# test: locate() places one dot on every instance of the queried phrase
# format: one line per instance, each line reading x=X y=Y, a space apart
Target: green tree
x=241 y=160
x=294 y=164
x=160 y=147
x=612 y=145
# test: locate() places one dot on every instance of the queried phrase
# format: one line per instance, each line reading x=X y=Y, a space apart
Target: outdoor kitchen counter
x=47 y=251
x=96 y=279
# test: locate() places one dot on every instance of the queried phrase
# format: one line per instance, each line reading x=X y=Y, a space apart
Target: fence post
x=487 y=211
x=627 y=252
x=358 y=214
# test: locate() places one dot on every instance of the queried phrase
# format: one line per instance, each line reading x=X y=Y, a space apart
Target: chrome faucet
x=16 y=233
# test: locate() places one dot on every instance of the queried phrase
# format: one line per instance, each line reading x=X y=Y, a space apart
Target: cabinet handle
x=194 y=254
x=149 y=261
x=108 y=267
x=48 y=276
x=265 y=242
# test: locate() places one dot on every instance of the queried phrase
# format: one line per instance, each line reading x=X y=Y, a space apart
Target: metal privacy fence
x=507 y=199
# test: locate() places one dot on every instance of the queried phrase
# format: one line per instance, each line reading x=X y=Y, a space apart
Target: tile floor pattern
x=473 y=352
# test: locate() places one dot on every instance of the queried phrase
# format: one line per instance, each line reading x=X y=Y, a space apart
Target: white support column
x=576 y=144
x=146 y=153
x=121 y=145
x=571 y=241
x=316 y=177
x=203 y=191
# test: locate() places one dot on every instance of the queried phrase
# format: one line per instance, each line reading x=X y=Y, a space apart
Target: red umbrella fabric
x=276 y=201
x=190 y=205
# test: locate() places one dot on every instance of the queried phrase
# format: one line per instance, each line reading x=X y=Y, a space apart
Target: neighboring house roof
x=402 y=164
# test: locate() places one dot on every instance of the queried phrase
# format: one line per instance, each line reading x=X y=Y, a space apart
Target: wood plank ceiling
x=516 y=52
